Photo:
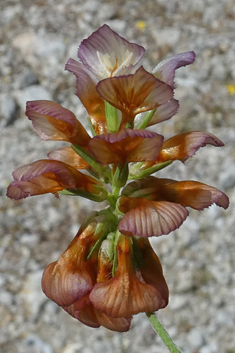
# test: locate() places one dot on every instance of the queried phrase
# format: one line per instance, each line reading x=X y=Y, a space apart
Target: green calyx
x=112 y=119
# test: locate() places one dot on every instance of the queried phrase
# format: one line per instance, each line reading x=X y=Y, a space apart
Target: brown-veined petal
x=47 y=176
x=165 y=70
x=194 y=194
x=126 y=146
x=187 y=193
x=68 y=156
x=125 y=295
x=135 y=93
x=151 y=269
x=185 y=145
x=107 y=54
x=53 y=122
x=147 y=218
x=86 y=91
x=71 y=277
x=88 y=315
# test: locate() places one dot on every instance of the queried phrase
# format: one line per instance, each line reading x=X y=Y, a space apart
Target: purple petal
x=107 y=54
x=163 y=112
x=165 y=70
x=118 y=136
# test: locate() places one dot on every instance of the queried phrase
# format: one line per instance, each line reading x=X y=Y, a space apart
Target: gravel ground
x=36 y=39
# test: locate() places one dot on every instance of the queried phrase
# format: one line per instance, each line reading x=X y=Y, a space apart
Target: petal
x=92 y=317
x=165 y=70
x=151 y=269
x=194 y=194
x=53 y=122
x=46 y=176
x=71 y=277
x=187 y=193
x=165 y=112
x=86 y=91
x=68 y=156
x=107 y=54
x=126 y=146
x=133 y=94
x=125 y=295
x=185 y=145
x=150 y=218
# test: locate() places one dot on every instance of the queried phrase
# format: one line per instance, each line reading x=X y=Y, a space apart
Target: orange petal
x=46 y=176
x=150 y=218
x=68 y=156
x=86 y=92
x=71 y=277
x=125 y=295
x=194 y=194
x=183 y=146
x=134 y=94
x=151 y=270
x=126 y=146
x=53 y=122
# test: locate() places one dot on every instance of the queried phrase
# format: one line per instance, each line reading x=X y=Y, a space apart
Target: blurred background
x=36 y=39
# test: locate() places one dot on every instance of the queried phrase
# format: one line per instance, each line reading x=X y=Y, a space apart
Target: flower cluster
x=110 y=272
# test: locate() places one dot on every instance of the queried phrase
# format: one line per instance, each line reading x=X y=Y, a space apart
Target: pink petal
x=135 y=93
x=53 y=122
x=164 y=112
x=86 y=91
x=153 y=218
x=165 y=70
x=46 y=176
x=107 y=54
x=127 y=145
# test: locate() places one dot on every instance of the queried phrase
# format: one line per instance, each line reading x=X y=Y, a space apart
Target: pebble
x=196 y=338
x=8 y=110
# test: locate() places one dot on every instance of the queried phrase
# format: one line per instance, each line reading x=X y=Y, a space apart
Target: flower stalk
x=159 y=328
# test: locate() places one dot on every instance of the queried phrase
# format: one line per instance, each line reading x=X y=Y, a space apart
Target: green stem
x=162 y=333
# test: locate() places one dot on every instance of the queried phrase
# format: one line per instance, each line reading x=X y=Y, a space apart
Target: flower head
x=110 y=272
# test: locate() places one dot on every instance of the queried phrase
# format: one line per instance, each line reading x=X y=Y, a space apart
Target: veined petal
x=46 y=176
x=150 y=218
x=187 y=193
x=165 y=70
x=125 y=295
x=107 y=54
x=194 y=194
x=185 y=145
x=151 y=270
x=164 y=112
x=92 y=317
x=126 y=146
x=69 y=156
x=53 y=122
x=133 y=94
x=86 y=91
x=71 y=277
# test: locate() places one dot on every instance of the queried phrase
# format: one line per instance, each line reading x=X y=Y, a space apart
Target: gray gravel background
x=36 y=39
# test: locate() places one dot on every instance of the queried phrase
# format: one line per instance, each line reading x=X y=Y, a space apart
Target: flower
x=48 y=176
x=110 y=272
